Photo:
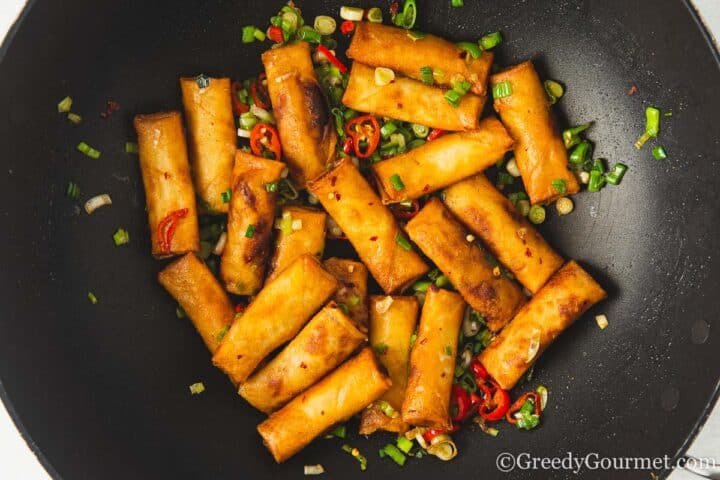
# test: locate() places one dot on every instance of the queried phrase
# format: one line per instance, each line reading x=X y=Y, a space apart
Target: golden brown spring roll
x=307 y=132
x=507 y=234
x=369 y=225
x=409 y=100
x=444 y=241
x=274 y=317
x=540 y=153
x=250 y=223
x=323 y=344
x=352 y=293
x=212 y=138
x=443 y=161
x=169 y=193
x=336 y=398
x=432 y=361
x=201 y=296
x=308 y=237
x=380 y=45
x=391 y=327
x=568 y=294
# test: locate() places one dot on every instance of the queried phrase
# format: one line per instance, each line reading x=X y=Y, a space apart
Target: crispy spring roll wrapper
x=488 y=214
x=307 y=132
x=310 y=238
x=274 y=317
x=380 y=45
x=409 y=100
x=212 y=138
x=444 y=161
x=352 y=293
x=250 y=223
x=201 y=296
x=444 y=240
x=336 y=398
x=166 y=177
x=323 y=344
x=540 y=153
x=369 y=225
x=432 y=361
x=568 y=294
x=390 y=331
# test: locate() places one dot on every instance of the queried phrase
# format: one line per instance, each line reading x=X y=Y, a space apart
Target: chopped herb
x=516 y=197
x=356 y=453
x=526 y=419
x=581 y=153
x=250 y=232
x=659 y=153
x=221 y=334
x=339 y=432
x=397 y=182
x=413 y=339
x=403 y=242
x=421 y=287
x=121 y=237
x=202 y=81
x=226 y=196
x=615 y=175
x=72 y=191
x=504 y=178
x=571 y=136
x=93 y=299
x=248 y=34
x=442 y=281
x=426 y=75
x=88 y=150
x=180 y=312
x=536 y=214
x=354 y=300
x=456 y=3
x=344 y=308
x=65 y=105
x=448 y=350
x=406 y=18
x=131 y=148
x=74 y=118
x=415 y=35
x=553 y=90
x=388 y=129
x=652 y=126
x=491 y=40
x=394 y=453
x=271 y=187
x=197 y=388
x=387 y=409
x=473 y=49
x=404 y=443
x=380 y=348
x=374 y=15
x=453 y=98
x=560 y=186
x=502 y=90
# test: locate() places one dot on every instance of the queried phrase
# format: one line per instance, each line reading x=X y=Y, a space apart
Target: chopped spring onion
x=543 y=392
x=65 y=105
x=602 y=321
x=581 y=153
x=502 y=90
x=523 y=207
x=250 y=231
x=131 y=148
x=248 y=34
x=72 y=191
x=180 y=312
x=202 y=81
x=421 y=287
x=415 y=143
x=659 y=153
x=473 y=49
x=453 y=98
x=470 y=326
x=420 y=131
x=571 y=136
x=615 y=175
x=247 y=121
x=356 y=453
x=443 y=447
x=220 y=245
x=403 y=242
x=512 y=168
x=652 y=126
x=456 y=3
x=226 y=196
x=354 y=14
x=415 y=35
x=388 y=129
x=397 y=182
x=354 y=299
x=516 y=197
x=262 y=114
x=442 y=281
x=387 y=409
x=554 y=90
x=88 y=150
x=491 y=40
x=260 y=35
x=93 y=299
x=596 y=181
x=309 y=35
x=221 y=333
x=394 y=453
x=121 y=237
x=244 y=133
x=74 y=118
x=426 y=75
x=504 y=179
x=384 y=76
x=97 y=202
x=407 y=17
x=536 y=214
x=271 y=187
x=197 y=388
x=339 y=432
x=313 y=469
x=380 y=348
x=583 y=177
x=560 y=186
x=564 y=205
x=374 y=15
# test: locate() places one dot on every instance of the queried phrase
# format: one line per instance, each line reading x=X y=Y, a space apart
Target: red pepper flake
x=337 y=196
x=112 y=106
x=347 y=27
x=528 y=253
x=239 y=308
x=333 y=180
x=302 y=365
x=348 y=146
x=371 y=203
x=426 y=188
x=633 y=90
x=373 y=238
x=423 y=341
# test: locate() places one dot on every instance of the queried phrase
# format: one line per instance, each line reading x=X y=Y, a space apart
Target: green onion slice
x=72 y=191
x=502 y=90
x=426 y=75
x=325 y=25
x=560 y=186
x=394 y=453
x=581 y=153
x=74 y=118
x=65 y=105
x=536 y=214
x=571 y=136
x=93 y=299
x=226 y=196
x=397 y=182
x=121 y=237
x=659 y=153
x=554 y=90
x=248 y=34
x=403 y=242
x=615 y=175
x=202 y=81
x=491 y=40
x=131 y=148
x=473 y=49
x=250 y=231
x=374 y=15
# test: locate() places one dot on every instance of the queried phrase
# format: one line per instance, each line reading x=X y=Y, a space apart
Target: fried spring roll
x=568 y=294
x=391 y=328
x=369 y=225
x=380 y=45
x=212 y=138
x=323 y=344
x=201 y=296
x=274 y=317
x=488 y=214
x=307 y=132
x=352 y=293
x=336 y=398
x=443 y=161
x=290 y=243
x=445 y=242
x=432 y=361
x=250 y=223
x=168 y=186
x=540 y=153
x=409 y=100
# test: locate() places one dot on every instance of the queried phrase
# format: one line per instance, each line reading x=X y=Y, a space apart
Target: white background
x=17 y=462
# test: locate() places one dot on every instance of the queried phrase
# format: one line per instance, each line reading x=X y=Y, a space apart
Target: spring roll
x=443 y=161
x=168 y=187
x=432 y=361
x=201 y=296
x=307 y=132
x=488 y=214
x=323 y=344
x=409 y=100
x=369 y=225
x=540 y=153
x=212 y=138
x=568 y=294
x=250 y=223
x=352 y=293
x=274 y=317
x=336 y=398
x=291 y=242
x=379 y=45
x=391 y=327
x=444 y=240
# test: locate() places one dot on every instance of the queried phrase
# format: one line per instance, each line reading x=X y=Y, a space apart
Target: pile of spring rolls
x=294 y=353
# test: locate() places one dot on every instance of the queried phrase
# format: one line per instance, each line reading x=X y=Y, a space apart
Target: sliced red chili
x=259 y=92
x=496 y=404
x=434 y=432
x=332 y=58
x=510 y=414
x=461 y=401
x=276 y=34
x=347 y=27
x=406 y=214
x=166 y=229
x=364 y=128
x=478 y=370
x=435 y=133
x=239 y=308
x=348 y=146
x=238 y=106
x=394 y=8
x=264 y=137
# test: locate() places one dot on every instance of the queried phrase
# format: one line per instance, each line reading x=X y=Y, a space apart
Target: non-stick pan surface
x=101 y=391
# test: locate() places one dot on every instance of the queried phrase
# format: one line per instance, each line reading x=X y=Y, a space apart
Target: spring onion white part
x=443 y=447
x=584 y=177
x=312 y=199
x=383 y=76
x=313 y=469
x=470 y=238
x=533 y=346
x=467 y=355
x=220 y=245
x=97 y=202
x=470 y=326
x=197 y=388
x=297 y=224
x=325 y=25
x=543 y=392
x=243 y=133
x=383 y=305
x=65 y=105
x=375 y=15
x=512 y=168
x=564 y=205
x=417 y=434
x=262 y=114
x=602 y=321
x=536 y=214
x=354 y=14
